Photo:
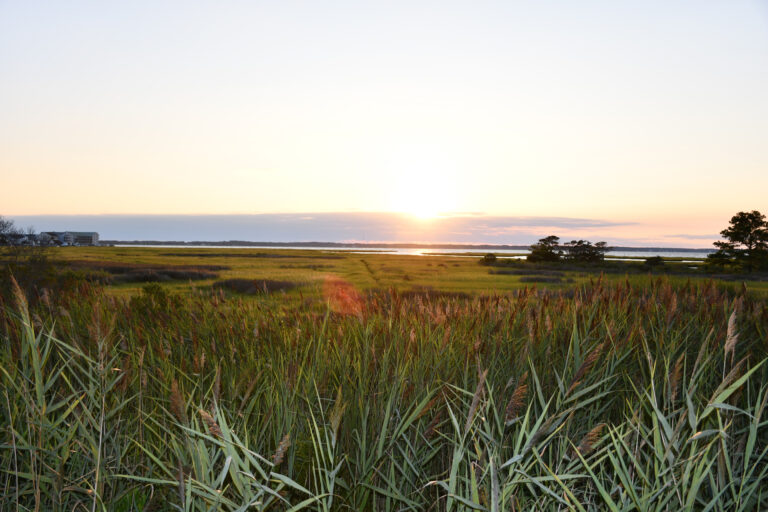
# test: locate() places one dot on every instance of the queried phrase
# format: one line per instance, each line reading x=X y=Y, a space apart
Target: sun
x=423 y=190
x=418 y=202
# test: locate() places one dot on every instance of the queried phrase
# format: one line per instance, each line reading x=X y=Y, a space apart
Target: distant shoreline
x=362 y=245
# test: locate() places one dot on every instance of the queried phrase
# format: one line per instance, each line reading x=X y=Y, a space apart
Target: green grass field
x=457 y=272
x=337 y=381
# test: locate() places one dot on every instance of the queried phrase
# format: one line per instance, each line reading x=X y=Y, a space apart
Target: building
x=54 y=238
x=69 y=237
x=85 y=237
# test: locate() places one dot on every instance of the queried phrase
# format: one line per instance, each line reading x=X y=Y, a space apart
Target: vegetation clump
x=541 y=279
x=488 y=259
x=546 y=250
x=254 y=286
x=746 y=243
x=654 y=261
x=121 y=272
x=583 y=251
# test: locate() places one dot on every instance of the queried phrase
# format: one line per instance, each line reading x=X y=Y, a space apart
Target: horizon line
x=257 y=243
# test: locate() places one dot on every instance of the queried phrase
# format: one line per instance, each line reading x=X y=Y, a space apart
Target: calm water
x=503 y=253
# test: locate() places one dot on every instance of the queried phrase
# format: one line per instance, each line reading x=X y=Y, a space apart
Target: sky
x=647 y=118
x=357 y=227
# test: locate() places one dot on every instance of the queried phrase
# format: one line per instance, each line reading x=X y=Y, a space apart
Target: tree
x=547 y=249
x=21 y=244
x=746 y=242
x=8 y=231
x=22 y=259
x=584 y=251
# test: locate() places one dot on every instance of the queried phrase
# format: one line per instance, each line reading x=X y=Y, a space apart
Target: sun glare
x=423 y=189
x=418 y=202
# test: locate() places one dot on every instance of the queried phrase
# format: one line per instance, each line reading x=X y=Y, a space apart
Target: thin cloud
x=694 y=237
x=329 y=227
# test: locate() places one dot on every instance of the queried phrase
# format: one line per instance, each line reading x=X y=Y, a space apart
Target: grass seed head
x=586 y=366
x=587 y=444
x=674 y=380
x=476 y=399
x=178 y=406
x=517 y=400
x=213 y=427
x=282 y=448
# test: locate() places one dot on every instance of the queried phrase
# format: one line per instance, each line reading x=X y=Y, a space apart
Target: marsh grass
x=254 y=286
x=602 y=397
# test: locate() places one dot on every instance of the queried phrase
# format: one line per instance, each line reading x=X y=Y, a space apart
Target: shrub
x=654 y=261
x=488 y=259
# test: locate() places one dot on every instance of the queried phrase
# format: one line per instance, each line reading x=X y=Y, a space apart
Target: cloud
x=559 y=222
x=694 y=237
x=327 y=227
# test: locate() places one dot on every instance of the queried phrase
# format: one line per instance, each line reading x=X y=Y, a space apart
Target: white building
x=71 y=237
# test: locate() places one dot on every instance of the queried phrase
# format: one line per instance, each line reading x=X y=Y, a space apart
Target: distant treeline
x=361 y=245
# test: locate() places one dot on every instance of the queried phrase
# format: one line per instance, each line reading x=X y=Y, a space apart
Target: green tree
x=746 y=242
x=547 y=249
x=584 y=251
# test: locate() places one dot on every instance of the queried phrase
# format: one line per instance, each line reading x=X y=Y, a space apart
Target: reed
x=386 y=401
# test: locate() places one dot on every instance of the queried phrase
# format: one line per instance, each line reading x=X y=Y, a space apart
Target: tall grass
x=621 y=397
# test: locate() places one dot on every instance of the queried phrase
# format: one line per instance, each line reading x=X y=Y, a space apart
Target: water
x=689 y=256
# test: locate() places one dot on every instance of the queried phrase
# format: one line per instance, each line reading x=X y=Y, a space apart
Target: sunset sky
x=649 y=118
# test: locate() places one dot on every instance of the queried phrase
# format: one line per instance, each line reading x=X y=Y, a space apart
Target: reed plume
x=517 y=400
x=476 y=399
x=587 y=444
x=282 y=448
x=213 y=427
x=585 y=367
x=178 y=406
